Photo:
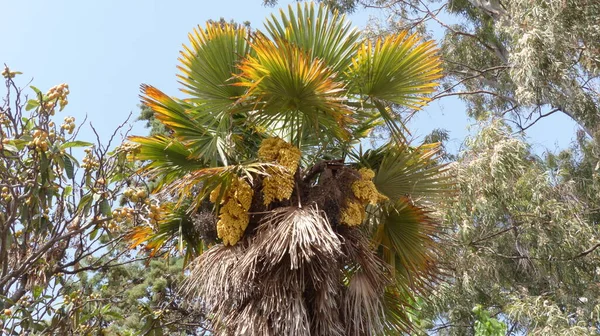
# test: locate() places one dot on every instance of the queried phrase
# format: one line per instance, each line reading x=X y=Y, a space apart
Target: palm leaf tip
x=323 y=34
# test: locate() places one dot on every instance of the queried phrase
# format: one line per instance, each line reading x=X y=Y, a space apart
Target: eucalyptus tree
x=289 y=227
x=521 y=242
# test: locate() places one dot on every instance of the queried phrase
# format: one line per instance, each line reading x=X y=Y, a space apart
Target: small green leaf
x=76 y=143
x=10 y=148
x=105 y=208
x=36 y=90
x=37 y=291
x=85 y=203
x=93 y=234
x=114 y=314
x=31 y=104
x=19 y=144
x=69 y=170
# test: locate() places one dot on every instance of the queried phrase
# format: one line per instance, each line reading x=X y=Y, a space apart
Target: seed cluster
x=135 y=194
x=365 y=192
x=89 y=161
x=40 y=140
x=233 y=214
x=5 y=194
x=124 y=214
x=155 y=213
x=56 y=94
x=68 y=125
x=279 y=185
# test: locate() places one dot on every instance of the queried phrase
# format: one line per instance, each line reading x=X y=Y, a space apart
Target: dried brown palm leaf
x=363 y=308
x=323 y=300
x=277 y=307
x=367 y=278
x=284 y=280
x=299 y=244
x=210 y=286
x=299 y=236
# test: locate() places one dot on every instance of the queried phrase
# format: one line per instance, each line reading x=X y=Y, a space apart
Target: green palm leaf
x=404 y=238
x=165 y=158
x=398 y=68
x=210 y=65
x=322 y=34
x=403 y=171
x=176 y=231
x=209 y=135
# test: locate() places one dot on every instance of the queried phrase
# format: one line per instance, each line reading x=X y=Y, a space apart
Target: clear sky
x=105 y=49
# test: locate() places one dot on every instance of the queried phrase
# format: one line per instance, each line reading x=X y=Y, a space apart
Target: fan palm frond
x=291 y=90
x=177 y=230
x=320 y=33
x=210 y=64
x=209 y=135
x=166 y=159
x=297 y=234
x=398 y=68
x=405 y=240
x=404 y=171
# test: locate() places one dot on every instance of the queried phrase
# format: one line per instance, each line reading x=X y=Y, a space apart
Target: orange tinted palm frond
x=286 y=85
x=173 y=114
x=138 y=236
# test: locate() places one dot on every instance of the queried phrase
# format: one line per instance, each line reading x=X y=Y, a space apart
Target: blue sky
x=105 y=49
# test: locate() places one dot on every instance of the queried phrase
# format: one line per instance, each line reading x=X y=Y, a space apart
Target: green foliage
x=143 y=299
x=485 y=325
x=56 y=223
x=521 y=242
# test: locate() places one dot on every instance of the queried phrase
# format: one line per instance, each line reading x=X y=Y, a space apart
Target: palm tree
x=313 y=235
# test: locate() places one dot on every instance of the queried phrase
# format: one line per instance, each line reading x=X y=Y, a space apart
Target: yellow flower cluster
x=279 y=185
x=233 y=215
x=365 y=190
x=354 y=213
x=366 y=193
